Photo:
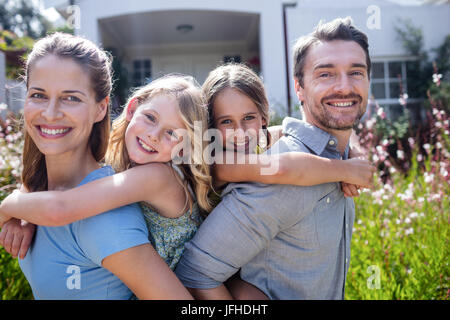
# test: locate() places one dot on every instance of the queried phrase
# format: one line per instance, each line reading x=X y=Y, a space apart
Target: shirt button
x=331 y=142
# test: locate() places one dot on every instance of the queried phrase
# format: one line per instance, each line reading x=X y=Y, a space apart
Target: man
x=293 y=242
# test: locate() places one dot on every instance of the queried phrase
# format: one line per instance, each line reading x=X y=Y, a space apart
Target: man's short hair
x=338 y=29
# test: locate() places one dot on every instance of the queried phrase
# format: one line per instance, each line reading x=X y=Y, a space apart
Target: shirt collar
x=312 y=137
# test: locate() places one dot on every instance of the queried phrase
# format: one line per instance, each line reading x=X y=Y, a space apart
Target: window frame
x=142 y=70
x=389 y=101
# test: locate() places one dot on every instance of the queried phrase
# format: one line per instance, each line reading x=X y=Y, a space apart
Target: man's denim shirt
x=291 y=242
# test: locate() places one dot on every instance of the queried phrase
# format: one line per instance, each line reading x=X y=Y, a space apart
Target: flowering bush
x=400 y=244
x=11 y=145
x=13 y=284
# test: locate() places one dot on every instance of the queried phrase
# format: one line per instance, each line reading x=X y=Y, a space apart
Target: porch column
x=272 y=55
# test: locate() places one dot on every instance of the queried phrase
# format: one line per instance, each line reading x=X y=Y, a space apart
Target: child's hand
x=356 y=152
x=359 y=173
x=16 y=236
x=10 y=199
x=350 y=190
x=3 y=218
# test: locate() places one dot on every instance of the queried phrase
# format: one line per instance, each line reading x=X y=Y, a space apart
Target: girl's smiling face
x=153 y=129
x=238 y=119
x=60 y=108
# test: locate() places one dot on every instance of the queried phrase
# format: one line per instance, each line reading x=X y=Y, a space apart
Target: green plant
x=13 y=284
x=401 y=235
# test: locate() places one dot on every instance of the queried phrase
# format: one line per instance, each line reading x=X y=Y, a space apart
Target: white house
x=161 y=36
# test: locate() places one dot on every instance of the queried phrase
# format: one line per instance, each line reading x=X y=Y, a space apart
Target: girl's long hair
x=97 y=64
x=193 y=111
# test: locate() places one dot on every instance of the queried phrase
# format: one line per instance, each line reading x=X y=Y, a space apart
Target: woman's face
x=153 y=130
x=238 y=119
x=60 y=108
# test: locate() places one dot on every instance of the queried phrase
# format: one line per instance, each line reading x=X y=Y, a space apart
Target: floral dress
x=168 y=235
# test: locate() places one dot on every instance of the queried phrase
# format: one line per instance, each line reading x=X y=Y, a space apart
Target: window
x=142 y=72
x=235 y=59
x=387 y=82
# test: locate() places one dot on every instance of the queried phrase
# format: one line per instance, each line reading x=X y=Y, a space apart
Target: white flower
x=392 y=170
x=436 y=77
x=370 y=123
x=407 y=220
x=421 y=199
x=428 y=177
x=400 y=154
x=413 y=215
x=380 y=112
x=3 y=106
x=402 y=99
x=409 y=231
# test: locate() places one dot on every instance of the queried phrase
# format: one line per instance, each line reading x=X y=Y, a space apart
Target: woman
x=67 y=127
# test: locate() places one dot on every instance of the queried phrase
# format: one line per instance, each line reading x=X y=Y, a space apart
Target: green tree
x=420 y=72
x=23 y=17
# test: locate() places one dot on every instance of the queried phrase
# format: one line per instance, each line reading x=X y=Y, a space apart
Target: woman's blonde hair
x=242 y=78
x=97 y=64
x=193 y=110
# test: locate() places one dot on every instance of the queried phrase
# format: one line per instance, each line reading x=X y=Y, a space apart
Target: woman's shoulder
x=99 y=173
x=116 y=218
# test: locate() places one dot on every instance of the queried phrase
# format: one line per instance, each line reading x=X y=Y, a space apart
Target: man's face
x=335 y=85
